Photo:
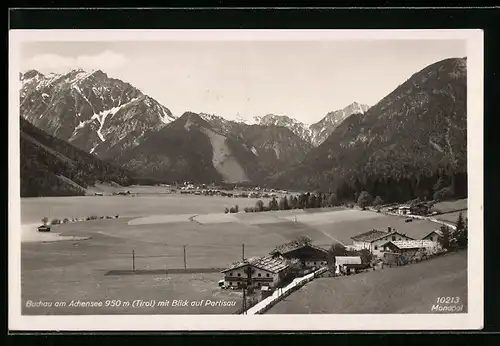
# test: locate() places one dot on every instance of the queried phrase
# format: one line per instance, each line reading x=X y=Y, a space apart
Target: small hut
x=44 y=228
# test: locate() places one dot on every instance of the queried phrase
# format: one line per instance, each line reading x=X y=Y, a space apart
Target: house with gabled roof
x=403 y=251
x=406 y=245
x=257 y=272
x=435 y=236
x=373 y=239
x=309 y=255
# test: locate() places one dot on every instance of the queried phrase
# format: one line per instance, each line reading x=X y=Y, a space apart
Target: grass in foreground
x=410 y=289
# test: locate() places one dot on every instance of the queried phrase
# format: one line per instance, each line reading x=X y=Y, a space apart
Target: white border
x=471 y=320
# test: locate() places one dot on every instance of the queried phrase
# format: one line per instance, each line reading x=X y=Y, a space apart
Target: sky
x=302 y=79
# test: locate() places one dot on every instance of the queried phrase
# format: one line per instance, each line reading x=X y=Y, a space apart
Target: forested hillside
x=53 y=167
x=413 y=143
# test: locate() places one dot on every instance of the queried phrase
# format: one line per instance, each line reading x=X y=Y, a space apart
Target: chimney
x=389 y=229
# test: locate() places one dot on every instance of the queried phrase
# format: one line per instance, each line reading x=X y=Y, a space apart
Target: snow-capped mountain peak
x=94 y=112
x=315 y=133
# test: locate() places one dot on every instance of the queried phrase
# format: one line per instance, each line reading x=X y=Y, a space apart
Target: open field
x=154 y=230
x=449 y=206
x=451 y=217
x=450 y=209
x=410 y=289
x=34 y=209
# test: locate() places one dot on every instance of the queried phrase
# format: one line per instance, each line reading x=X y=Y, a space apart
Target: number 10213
x=448 y=300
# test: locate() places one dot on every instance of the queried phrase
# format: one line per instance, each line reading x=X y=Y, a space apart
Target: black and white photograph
x=226 y=175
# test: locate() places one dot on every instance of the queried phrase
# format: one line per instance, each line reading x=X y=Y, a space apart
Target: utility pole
x=133 y=261
x=185 y=268
x=242 y=252
x=244 y=307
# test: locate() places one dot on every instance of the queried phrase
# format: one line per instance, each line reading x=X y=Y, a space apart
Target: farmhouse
x=420 y=209
x=407 y=245
x=404 y=210
x=400 y=252
x=435 y=235
x=309 y=255
x=348 y=264
x=372 y=240
x=256 y=272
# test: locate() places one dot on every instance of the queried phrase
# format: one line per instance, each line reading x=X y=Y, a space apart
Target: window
x=239 y=274
x=314 y=263
x=259 y=275
x=267 y=275
x=258 y=284
x=376 y=247
x=399 y=238
x=432 y=238
x=231 y=274
x=230 y=284
x=393 y=237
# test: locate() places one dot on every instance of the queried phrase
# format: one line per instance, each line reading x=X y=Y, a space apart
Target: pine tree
x=461 y=231
x=445 y=239
x=332 y=200
x=312 y=201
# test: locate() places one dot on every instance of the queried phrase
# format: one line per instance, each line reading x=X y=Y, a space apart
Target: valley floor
x=151 y=235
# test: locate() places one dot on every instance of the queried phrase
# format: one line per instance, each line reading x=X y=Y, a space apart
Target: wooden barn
x=309 y=255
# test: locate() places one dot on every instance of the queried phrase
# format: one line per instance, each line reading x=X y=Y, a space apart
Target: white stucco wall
x=317 y=263
x=233 y=274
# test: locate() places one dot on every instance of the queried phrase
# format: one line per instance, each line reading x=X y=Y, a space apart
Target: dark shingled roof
x=370 y=235
x=374 y=234
x=292 y=246
x=268 y=263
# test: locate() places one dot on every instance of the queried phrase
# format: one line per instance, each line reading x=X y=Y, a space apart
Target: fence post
x=133 y=261
x=185 y=267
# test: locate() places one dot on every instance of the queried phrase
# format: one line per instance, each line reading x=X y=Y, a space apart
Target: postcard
x=312 y=180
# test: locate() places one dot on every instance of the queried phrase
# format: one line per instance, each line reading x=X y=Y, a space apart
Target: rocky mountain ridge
x=96 y=113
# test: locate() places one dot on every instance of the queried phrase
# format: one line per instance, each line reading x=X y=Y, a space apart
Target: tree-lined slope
x=53 y=167
x=412 y=140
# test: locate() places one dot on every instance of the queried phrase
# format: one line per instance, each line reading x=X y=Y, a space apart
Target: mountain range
x=318 y=132
x=98 y=114
x=402 y=146
x=397 y=148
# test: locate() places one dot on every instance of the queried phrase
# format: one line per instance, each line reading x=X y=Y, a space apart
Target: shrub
x=109 y=217
x=236 y=208
x=101 y=217
x=259 y=205
x=246 y=209
x=93 y=217
x=226 y=210
x=66 y=220
x=378 y=201
x=364 y=199
x=45 y=219
x=232 y=210
x=55 y=221
x=273 y=204
x=116 y=216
